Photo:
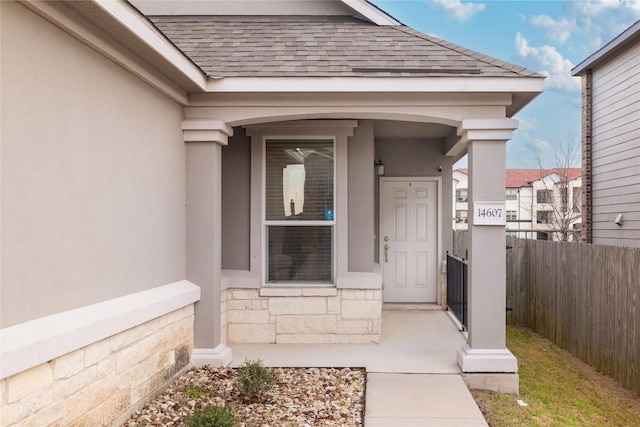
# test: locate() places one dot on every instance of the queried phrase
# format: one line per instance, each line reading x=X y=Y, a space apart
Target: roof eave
x=608 y=50
x=526 y=87
x=371 y=12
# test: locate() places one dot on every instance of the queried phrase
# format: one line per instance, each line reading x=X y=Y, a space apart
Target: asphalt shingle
x=321 y=46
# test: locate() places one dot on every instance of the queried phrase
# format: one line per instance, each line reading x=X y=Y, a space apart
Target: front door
x=408 y=251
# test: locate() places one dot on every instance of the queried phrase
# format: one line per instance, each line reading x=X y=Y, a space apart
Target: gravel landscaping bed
x=302 y=397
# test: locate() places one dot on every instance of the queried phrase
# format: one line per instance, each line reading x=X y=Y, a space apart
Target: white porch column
x=204 y=139
x=486 y=350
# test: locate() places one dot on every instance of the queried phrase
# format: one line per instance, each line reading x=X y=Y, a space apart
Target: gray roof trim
x=607 y=50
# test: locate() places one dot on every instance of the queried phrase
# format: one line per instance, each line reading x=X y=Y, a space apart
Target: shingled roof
x=321 y=46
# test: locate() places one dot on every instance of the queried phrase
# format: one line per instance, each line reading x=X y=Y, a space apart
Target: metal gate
x=457 y=288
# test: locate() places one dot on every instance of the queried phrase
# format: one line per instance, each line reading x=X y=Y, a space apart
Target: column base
x=219 y=356
x=507 y=383
x=487 y=360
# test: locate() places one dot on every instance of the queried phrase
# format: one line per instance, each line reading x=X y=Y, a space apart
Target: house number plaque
x=489 y=213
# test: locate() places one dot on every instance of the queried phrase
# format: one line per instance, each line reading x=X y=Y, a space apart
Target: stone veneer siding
x=104 y=382
x=301 y=315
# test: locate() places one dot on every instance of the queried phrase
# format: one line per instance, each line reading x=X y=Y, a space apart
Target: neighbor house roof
x=517 y=178
x=321 y=46
x=627 y=37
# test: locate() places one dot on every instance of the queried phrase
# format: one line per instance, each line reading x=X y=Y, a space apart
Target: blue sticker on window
x=328 y=214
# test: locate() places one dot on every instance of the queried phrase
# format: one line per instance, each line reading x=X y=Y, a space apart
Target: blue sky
x=549 y=37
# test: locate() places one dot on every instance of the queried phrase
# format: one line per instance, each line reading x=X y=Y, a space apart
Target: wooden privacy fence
x=585 y=298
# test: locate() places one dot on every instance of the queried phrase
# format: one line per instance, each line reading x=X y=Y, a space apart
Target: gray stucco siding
x=420 y=157
x=236 y=202
x=361 y=198
x=93 y=175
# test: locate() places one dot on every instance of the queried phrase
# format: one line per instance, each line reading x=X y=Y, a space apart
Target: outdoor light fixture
x=618 y=219
x=379 y=167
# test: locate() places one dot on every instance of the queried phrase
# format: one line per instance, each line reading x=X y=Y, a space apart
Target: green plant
x=194 y=392
x=255 y=380
x=212 y=416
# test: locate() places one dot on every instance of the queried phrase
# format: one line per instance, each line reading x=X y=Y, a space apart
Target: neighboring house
x=540 y=204
x=611 y=141
x=202 y=176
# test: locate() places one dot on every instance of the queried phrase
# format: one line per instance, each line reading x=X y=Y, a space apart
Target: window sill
x=299 y=291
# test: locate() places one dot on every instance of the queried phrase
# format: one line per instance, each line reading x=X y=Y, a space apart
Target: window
x=299 y=211
x=544 y=196
x=577 y=199
x=512 y=216
x=462 y=217
x=543 y=217
x=512 y=194
x=512 y=233
x=541 y=235
x=461 y=196
x=564 y=198
x=577 y=231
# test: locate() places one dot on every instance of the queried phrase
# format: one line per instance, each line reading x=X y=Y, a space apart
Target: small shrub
x=254 y=380
x=194 y=392
x=212 y=416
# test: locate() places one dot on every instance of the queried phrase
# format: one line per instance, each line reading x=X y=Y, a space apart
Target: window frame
x=547 y=218
x=265 y=223
x=548 y=196
x=461 y=199
x=543 y=235
x=511 y=192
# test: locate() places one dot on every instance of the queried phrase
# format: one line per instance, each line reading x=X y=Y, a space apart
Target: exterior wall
x=461 y=182
x=555 y=209
x=522 y=206
x=93 y=179
x=301 y=315
x=420 y=157
x=526 y=207
x=587 y=148
x=354 y=198
x=236 y=201
x=102 y=383
x=361 y=198
x=615 y=153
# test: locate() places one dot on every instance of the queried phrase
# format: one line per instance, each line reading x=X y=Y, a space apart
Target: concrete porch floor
x=412 y=341
x=413 y=378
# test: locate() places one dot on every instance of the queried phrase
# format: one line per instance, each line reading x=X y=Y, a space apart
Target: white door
x=409 y=244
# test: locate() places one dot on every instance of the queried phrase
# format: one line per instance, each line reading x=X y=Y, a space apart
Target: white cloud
x=458 y=10
x=527 y=124
x=549 y=62
x=597 y=20
x=558 y=30
x=541 y=145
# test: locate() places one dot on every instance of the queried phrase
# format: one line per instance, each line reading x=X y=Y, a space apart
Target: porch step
x=409 y=306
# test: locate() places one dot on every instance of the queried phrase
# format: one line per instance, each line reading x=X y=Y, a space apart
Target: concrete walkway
x=412 y=376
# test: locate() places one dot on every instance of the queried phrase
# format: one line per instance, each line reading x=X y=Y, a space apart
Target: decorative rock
x=302 y=397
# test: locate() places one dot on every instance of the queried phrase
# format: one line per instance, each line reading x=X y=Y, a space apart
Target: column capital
x=203 y=130
x=486 y=129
